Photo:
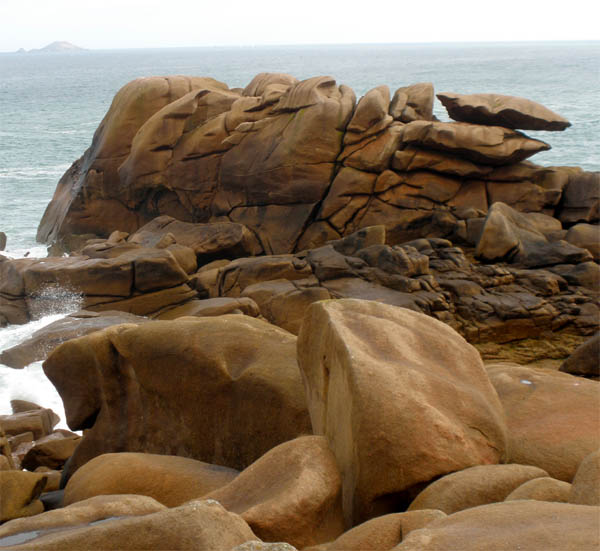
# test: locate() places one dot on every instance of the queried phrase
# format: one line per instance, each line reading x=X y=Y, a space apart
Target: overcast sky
x=163 y=23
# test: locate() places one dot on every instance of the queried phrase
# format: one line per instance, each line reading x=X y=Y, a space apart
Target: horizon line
x=302 y=44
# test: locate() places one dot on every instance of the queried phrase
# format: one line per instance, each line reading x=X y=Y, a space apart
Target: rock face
x=498 y=110
x=233 y=383
x=300 y=163
x=401 y=398
x=552 y=417
x=585 y=489
x=20 y=491
x=584 y=360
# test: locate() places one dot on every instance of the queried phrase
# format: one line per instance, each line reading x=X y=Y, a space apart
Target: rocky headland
x=308 y=319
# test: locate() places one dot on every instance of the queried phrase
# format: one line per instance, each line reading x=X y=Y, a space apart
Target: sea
x=50 y=105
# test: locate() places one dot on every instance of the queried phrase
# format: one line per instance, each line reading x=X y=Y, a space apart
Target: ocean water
x=51 y=104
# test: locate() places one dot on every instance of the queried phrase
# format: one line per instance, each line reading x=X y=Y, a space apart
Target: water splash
x=54 y=299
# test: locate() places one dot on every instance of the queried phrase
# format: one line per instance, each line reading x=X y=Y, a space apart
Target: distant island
x=55 y=47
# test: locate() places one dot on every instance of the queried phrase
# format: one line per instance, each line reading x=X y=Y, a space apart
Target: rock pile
x=280 y=286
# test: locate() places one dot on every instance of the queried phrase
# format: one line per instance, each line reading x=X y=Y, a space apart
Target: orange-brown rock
x=19 y=493
x=413 y=103
x=553 y=418
x=242 y=395
x=474 y=486
x=168 y=479
x=218 y=306
x=40 y=422
x=383 y=385
x=585 y=489
x=195 y=526
x=491 y=145
x=208 y=241
x=381 y=533
x=6 y=460
x=291 y=494
x=133 y=105
x=51 y=451
x=83 y=512
x=544 y=488
x=524 y=525
x=499 y=110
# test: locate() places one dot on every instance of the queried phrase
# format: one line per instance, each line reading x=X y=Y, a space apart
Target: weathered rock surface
x=168 y=479
x=542 y=489
x=498 y=110
x=197 y=525
x=474 y=486
x=364 y=365
x=525 y=525
x=20 y=491
x=515 y=237
x=232 y=382
x=553 y=418
x=267 y=165
x=291 y=494
x=82 y=512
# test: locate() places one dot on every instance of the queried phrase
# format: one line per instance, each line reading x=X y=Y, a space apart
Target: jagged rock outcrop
x=300 y=163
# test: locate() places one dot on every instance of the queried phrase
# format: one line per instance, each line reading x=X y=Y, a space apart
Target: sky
x=107 y=24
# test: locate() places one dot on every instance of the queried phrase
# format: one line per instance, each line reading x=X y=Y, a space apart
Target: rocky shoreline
x=314 y=320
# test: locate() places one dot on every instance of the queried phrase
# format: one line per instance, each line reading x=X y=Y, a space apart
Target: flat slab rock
x=499 y=110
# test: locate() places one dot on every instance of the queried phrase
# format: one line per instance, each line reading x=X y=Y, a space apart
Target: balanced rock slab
x=223 y=390
x=498 y=110
x=401 y=397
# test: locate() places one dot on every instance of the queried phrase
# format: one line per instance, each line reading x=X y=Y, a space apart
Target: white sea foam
x=32 y=173
x=31 y=382
x=37 y=251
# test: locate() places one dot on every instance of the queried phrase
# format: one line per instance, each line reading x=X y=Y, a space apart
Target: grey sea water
x=51 y=104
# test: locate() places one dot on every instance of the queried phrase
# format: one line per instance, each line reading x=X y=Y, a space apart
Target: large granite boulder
x=498 y=110
x=401 y=397
x=544 y=488
x=585 y=360
x=232 y=382
x=585 y=489
x=552 y=417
